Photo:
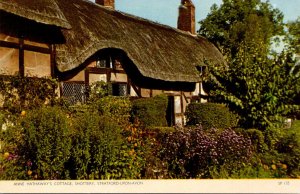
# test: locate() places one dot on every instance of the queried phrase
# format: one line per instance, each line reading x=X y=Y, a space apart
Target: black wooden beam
x=25 y=47
x=21 y=58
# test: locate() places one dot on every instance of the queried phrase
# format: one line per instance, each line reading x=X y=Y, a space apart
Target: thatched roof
x=158 y=51
x=42 y=11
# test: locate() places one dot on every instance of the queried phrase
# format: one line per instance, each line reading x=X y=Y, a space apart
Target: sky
x=166 y=11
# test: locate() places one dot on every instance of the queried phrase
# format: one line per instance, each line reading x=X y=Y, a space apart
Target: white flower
x=4 y=127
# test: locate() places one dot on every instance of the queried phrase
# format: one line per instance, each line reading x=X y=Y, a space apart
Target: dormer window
x=101 y=63
x=104 y=62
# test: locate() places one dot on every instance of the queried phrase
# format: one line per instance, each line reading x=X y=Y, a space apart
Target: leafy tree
x=293 y=41
x=293 y=37
x=260 y=90
x=241 y=25
x=258 y=86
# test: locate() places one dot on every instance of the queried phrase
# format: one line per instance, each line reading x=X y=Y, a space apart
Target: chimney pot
x=107 y=3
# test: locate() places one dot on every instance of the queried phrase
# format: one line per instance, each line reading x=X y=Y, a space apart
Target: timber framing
x=25 y=47
x=22 y=47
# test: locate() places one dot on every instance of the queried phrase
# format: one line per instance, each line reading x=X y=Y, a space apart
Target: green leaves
x=242 y=24
x=293 y=37
x=260 y=91
x=256 y=84
x=47 y=142
x=25 y=92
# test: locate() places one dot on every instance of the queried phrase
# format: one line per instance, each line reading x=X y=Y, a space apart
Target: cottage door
x=170 y=115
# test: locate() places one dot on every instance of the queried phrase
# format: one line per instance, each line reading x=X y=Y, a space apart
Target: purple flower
x=29 y=163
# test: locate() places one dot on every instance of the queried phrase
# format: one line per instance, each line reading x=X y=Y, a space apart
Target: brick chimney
x=186 y=18
x=107 y=3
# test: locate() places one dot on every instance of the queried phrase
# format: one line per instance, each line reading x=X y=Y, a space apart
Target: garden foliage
x=191 y=153
x=94 y=141
x=254 y=83
x=19 y=93
x=38 y=144
x=260 y=90
x=116 y=108
x=150 y=111
x=210 y=115
x=98 y=141
x=96 y=148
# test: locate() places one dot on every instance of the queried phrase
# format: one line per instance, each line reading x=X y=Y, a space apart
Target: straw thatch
x=158 y=51
x=42 y=11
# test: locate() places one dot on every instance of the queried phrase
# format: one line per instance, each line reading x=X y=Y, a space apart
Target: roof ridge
x=141 y=19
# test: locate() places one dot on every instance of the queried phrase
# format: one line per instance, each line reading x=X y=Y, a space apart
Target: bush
x=105 y=144
x=20 y=93
x=288 y=148
x=39 y=145
x=210 y=115
x=12 y=165
x=114 y=107
x=258 y=140
x=97 y=144
x=191 y=153
x=99 y=90
x=155 y=167
x=47 y=143
x=277 y=153
x=150 y=111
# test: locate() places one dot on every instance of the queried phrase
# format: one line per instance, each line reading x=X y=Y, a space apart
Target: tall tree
x=293 y=37
x=259 y=87
x=293 y=42
x=241 y=25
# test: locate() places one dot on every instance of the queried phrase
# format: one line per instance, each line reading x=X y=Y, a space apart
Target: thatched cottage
x=80 y=42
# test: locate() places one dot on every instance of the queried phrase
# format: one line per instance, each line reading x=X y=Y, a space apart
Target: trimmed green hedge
x=150 y=111
x=210 y=115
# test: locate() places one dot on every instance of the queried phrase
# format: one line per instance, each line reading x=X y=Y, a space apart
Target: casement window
x=106 y=62
x=109 y=62
x=101 y=63
x=73 y=92
x=120 y=89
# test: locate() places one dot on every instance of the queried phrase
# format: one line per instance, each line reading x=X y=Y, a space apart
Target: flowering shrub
x=38 y=145
x=11 y=163
x=232 y=147
x=20 y=93
x=190 y=153
x=136 y=154
x=46 y=142
x=104 y=144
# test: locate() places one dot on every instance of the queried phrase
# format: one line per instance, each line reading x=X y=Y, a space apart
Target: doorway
x=170 y=115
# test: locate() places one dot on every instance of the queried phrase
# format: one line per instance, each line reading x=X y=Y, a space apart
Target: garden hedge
x=150 y=111
x=210 y=115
